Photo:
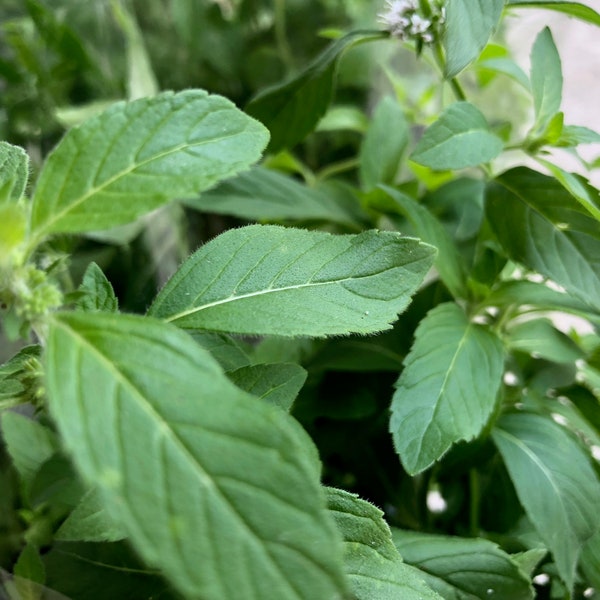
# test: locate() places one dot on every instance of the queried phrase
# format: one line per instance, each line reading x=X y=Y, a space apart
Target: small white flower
x=419 y=25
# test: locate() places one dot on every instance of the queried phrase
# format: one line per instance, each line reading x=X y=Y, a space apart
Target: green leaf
x=460 y=138
x=461 y=568
x=540 y=225
x=291 y=110
x=448 y=260
x=508 y=67
x=541 y=338
x=573 y=135
x=383 y=144
x=278 y=384
x=30 y=574
x=447 y=390
x=373 y=565
x=590 y=559
x=266 y=195
x=546 y=79
x=14 y=172
x=469 y=25
x=529 y=293
x=188 y=464
x=29 y=444
x=228 y=352
x=136 y=156
x=577 y=186
x=18 y=382
x=89 y=522
x=555 y=483
x=573 y=9
x=271 y=280
x=98 y=293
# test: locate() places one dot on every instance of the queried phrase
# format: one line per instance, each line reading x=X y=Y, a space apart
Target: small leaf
x=573 y=9
x=30 y=574
x=540 y=225
x=278 y=384
x=460 y=138
x=383 y=144
x=188 y=464
x=136 y=156
x=463 y=568
x=228 y=352
x=98 y=293
x=448 y=260
x=573 y=135
x=271 y=280
x=469 y=25
x=541 y=338
x=374 y=567
x=447 y=390
x=291 y=110
x=29 y=444
x=546 y=79
x=14 y=172
x=507 y=67
x=555 y=483
x=265 y=195
x=89 y=522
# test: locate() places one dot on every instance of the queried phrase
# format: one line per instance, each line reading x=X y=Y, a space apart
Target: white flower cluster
x=403 y=19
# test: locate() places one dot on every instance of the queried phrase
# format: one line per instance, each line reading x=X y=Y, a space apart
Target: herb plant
x=360 y=384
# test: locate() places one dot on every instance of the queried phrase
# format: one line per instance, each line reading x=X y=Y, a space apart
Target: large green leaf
x=447 y=390
x=542 y=226
x=188 y=464
x=291 y=110
x=265 y=195
x=469 y=25
x=573 y=9
x=136 y=156
x=383 y=144
x=14 y=171
x=463 y=568
x=590 y=559
x=546 y=79
x=266 y=279
x=555 y=482
x=448 y=260
x=460 y=138
x=374 y=567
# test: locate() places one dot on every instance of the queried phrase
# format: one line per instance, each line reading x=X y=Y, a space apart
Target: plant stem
x=454 y=84
x=338 y=167
x=280 y=35
x=474 y=504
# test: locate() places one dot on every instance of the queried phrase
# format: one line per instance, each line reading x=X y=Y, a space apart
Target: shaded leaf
x=540 y=225
x=460 y=138
x=469 y=25
x=555 y=483
x=447 y=390
x=266 y=195
x=383 y=144
x=136 y=156
x=272 y=280
x=463 y=568
x=590 y=559
x=187 y=464
x=98 y=293
x=291 y=110
x=228 y=352
x=373 y=565
x=277 y=384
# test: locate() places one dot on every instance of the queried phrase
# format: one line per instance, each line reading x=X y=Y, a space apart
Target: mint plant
x=361 y=386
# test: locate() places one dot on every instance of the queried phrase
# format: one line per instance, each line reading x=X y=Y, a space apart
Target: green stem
x=474 y=508
x=281 y=37
x=338 y=167
x=441 y=62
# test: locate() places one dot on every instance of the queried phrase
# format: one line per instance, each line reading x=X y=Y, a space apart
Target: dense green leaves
x=463 y=568
x=374 y=567
x=448 y=388
x=542 y=226
x=138 y=155
x=188 y=464
x=555 y=483
x=546 y=79
x=291 y=110
x=295 y=282
x=460 y=138
x=469 y=25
